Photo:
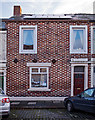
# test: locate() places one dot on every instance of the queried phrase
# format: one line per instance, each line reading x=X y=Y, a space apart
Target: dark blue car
x=84 y=101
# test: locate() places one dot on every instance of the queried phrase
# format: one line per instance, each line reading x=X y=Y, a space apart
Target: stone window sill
x=39 y=89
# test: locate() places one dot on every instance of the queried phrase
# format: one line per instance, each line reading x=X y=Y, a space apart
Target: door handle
x=78 y=88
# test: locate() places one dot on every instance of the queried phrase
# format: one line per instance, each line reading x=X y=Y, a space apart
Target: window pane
x=79 y=69
x=39 y=80
x=28 y=39
x=1 y=74
x=43 y=70
x=94 y=40
x=78 y=39
x=34 y=69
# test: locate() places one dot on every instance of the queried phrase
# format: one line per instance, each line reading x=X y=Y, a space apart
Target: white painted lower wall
x=37 y=98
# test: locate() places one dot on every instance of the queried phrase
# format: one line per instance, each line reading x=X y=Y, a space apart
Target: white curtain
x=81 y=38
x=74 y=35
x=78 y=39
x=24 y=36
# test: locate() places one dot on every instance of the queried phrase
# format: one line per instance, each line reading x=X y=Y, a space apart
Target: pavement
x=48 y=114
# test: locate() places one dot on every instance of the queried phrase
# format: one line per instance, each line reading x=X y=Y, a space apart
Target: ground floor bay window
x=39 y=76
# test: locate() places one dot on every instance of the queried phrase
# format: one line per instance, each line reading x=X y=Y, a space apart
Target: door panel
x=78 y=83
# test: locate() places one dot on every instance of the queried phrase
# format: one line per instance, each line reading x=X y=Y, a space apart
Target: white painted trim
x=21 y=40
x=72 y=80
x=86 y=44
x=3 y=31
x=5 y=81
x=92 y=59
x=79 y=59
x=92 y=65
x=39 y=64
x=85 y=76
x=92 y=39
x=3 y=61
x=92 y=27
x=5 y=46
x=37 y=98
x=39 y=89
x=2 y=65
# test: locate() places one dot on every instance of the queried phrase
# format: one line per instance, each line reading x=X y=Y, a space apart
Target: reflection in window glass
x=43 y=70
x=34 y=69
x=79 y=69
x=39 y=77
x=88 y=93
x=39 y=80
x=28 y=39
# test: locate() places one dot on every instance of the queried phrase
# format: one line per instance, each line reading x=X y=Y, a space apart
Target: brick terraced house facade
x=47 y=56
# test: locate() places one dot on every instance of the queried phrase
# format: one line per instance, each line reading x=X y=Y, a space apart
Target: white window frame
x=92 y=28
x=4 y=32
x=38 y=88
x=21 y=50
x=84 y=51
x=39 y=65
x=92 y=74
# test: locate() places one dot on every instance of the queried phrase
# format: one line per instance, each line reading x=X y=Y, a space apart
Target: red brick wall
x=52 y=43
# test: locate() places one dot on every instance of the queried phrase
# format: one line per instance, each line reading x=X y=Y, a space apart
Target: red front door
x=78 y=79
x=78 y=83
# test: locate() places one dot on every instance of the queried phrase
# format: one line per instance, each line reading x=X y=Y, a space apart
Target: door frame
x=4 y=71
x=92 y=73
x=85 y=76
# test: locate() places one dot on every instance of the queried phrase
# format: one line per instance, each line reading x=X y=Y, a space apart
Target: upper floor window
x=3 y=35
x=78 y=39
x=28 y=39
x=93 y=39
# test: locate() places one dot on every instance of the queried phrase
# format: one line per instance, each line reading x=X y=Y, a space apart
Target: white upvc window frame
x=92 y=39
x=4 y=54
x=38 y=88
x=24 y=27
x=80 y=27
x=39 y=65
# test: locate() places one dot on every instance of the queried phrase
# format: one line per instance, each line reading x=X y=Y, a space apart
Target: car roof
x=91 y=88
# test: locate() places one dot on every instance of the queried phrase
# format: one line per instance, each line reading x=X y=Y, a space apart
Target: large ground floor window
x=39 y=76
